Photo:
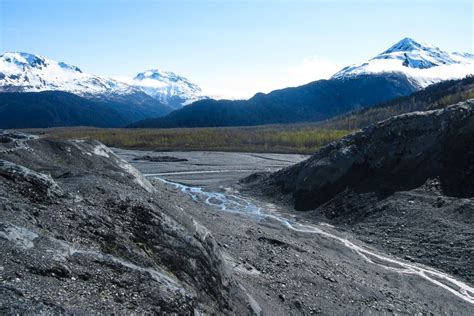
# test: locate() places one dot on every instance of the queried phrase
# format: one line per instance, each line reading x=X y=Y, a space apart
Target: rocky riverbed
x=292 y=264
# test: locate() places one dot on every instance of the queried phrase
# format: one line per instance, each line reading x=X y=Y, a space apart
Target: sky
x=232 y=49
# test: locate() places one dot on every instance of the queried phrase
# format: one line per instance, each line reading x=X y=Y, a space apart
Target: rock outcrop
x=397 y=154
x=82 y=231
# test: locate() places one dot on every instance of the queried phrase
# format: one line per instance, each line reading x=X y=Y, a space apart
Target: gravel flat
x=205 y=168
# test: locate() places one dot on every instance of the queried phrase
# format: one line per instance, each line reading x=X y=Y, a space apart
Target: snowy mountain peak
x=24 y=59
x=24 y=72
x=154 y=74
x=405 y=45
x=166 y=76
x=33 y=61
x=168 y=87
x=416 y=55
x=423 y=64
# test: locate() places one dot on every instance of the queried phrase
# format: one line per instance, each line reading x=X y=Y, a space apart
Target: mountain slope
x=433 y=97
x=56 y=108
x=410 y=148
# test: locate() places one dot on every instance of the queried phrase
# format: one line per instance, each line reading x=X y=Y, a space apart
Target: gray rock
x=81 y=231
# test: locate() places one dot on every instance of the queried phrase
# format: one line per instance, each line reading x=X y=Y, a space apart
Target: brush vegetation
x=300 y=139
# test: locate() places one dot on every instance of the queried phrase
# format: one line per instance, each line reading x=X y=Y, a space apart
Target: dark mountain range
x=405 y=67
x=57 y=108
x=315 y=101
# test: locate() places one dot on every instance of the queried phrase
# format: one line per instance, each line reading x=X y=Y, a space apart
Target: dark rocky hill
x=83 y=232
x=405 y=184
x=397 y=154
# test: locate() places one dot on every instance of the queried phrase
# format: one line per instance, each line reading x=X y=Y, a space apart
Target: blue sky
x=230 y=48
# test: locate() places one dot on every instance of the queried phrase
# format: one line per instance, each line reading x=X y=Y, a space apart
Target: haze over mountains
x=406 y=67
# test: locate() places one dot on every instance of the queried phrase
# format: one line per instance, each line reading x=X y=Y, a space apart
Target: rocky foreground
x=405 y=184
x=82 y=231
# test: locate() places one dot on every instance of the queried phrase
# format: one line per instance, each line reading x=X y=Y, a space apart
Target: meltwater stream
x=234 y=204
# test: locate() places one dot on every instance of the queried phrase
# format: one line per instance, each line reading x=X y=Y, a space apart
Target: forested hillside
x=433 y=97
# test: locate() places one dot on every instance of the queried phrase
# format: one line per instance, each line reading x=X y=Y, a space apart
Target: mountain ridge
x=25 y=72
x=30 y=73
x=145 y=100
x=314 y=101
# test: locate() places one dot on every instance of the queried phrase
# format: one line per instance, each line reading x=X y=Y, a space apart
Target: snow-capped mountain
x=23 y=72
x=423 y=64
x=68 y=87
x=168 y=87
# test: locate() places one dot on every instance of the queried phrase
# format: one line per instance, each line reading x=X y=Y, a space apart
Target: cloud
x=308 y=70
x=234 y=91
x=311 y=69
x=425 y=76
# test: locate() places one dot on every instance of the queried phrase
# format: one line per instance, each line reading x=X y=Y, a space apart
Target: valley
x=260 y=158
